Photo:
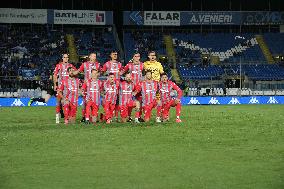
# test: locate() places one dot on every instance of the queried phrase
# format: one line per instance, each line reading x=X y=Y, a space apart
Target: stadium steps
x=215 y=60
x=170 y=49
x=73 y=55
x=265 y=50
x=175 y=75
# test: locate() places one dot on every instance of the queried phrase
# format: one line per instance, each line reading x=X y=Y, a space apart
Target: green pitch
x=240 y=146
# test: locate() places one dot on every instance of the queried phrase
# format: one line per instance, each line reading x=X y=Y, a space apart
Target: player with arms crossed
x=86 y=68
x=166 y=87
x=68 y=91
x=91 y=90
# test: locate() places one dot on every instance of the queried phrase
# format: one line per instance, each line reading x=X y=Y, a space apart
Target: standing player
x=110 y=88
x=60 y=74
x=154 y=66
x=135 y=67
x=166 y=87
x=91 y=90
x=126 y=102
x=86 y=68
x=115 y=67
x=149 y=89
x=157 y=69
x=68 y=91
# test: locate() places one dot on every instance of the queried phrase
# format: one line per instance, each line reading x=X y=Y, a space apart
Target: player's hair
x=163 y=74
x=69 y=68
x=113 y=51
x=152 y=52
x=110 y=74
x=64 y=54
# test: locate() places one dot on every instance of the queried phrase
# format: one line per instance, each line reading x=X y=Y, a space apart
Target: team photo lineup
x=137 y=86
x=142 y=94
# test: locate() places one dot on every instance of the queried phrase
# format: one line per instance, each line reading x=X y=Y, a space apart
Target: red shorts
x=71 y=108
x=95 y=108
x=124 y=109
x=148 y=109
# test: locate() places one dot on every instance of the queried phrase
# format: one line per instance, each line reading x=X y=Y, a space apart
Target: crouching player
x=126 y=101
x=149 y=89
x=68 y=92
x=110 y=89
x=91 y=89
x=166 y=87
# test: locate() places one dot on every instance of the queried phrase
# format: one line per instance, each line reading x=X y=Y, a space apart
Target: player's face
x=149 y=75
x=65 y=58
x=152 y=56
x=111 y=78
x=93 y=57
x=128 y=78
x=113 y=56
x=164 y=78
x=94 y=74
x=136 y=58
x=71 y=72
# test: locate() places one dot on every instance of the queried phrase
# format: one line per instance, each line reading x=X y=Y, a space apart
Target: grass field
x=240 y=146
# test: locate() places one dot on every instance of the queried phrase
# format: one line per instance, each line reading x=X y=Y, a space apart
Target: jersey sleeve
x=126 y=68
x=81 y=69
x=179 y=91
x=56 y=70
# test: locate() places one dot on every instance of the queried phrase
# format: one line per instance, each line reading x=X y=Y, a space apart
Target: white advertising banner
x=162 y=18
x=88 y=17
x=35 y=16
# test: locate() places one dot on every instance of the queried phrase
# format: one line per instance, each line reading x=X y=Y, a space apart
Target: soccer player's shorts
x=72 y=109
x=148 y=109
x=95 y=109
x=124 y=109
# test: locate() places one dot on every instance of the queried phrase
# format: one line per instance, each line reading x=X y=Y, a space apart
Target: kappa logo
x=213 y=100
x=40 y=104
x=253 y=100
x=193 y=101
x=272 y=100
x=17 y=102
x=234 y=101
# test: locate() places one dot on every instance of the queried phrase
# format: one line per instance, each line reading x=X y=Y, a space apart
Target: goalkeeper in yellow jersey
x=154 y=66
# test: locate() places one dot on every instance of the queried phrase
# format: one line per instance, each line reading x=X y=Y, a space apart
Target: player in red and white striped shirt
x=126 y=101
x=91 y=90
x=166 y=87
x=149 y=89
x=86 y=68
x=110 y=88
x=115 y=67
x=60 y=74
x=135 y=67
x=69 y=92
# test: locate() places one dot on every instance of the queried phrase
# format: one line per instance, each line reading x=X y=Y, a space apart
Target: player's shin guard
x=66 y=112
x=178 y=109
x=159 y=109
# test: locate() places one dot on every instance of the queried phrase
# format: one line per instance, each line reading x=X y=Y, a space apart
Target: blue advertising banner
x=210 y=18
x=210 y=100
x=175 y=18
